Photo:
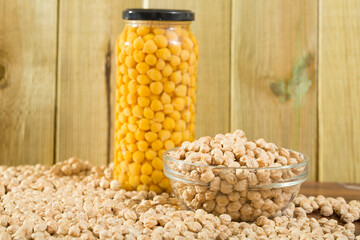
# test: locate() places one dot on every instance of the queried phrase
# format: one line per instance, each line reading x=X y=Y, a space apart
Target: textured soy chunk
x=91 y=206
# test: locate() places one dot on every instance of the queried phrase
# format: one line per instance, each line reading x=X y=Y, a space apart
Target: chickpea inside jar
x=156 y=71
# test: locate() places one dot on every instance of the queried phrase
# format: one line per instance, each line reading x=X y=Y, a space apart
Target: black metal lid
x=158 y=14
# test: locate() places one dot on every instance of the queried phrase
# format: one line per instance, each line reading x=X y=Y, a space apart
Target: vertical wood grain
x=273 y=62
x=85 y=82
x=212 y=29
x=82 y=123
x=27 y=81
x=339 y=90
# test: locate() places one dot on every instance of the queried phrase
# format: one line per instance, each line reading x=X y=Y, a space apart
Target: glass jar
x=157 y=57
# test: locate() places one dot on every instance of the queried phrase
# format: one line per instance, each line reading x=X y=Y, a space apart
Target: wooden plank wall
x=339 y=90
x=87 y=33
x=273 y=79
x=283 y=70
x=27 y=81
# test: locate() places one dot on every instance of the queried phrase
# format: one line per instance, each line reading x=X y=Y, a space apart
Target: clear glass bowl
x=243 y=193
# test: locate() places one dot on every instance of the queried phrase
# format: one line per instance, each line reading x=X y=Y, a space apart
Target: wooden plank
x=339 y=90
x=273 y=79
x=212 y=29
x=347 y=191
x=27 y=81
x=82 y=123
x=85 y=102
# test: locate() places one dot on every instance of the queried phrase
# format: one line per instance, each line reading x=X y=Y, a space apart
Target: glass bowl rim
x=302 y=164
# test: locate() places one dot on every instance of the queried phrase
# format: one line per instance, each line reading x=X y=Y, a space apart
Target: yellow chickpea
x=174 y=61
x=168 y=108
x=160 y=64
x=131 y=147
x=156 y=105
x=192 y=59
x=176 y=137
x=156 y=127
x=185 y=79
x=157 y=164
x=131 y=37
x=179 y=103
x=175 y=49
x=154 y=74
x=164 y=135
x=175 y=77
x=130 y=138
x=158 y=31
x=157 y=176
x=169 y=87
x=183 y=67
x=165 y=183
x=150 y=46
x=181 y=90
x=169 y=123
x=138 y=156
x=130 y=62
x=143 y=101
x=161 y=41
x=133 y=74
x=148 y=113
x=142 y=67
x=169 y=144
x=143 y=79
x=144 y=187
x=184 y=55
x=165 y=98
x=148 y=36
x=142 y=30
x=138 y=56
x=187 y=43
x=132 y=127
x=145 y=179
x=155 y=188
x=142 y=145
x=157 y=145
x=151 y=59
x=163 y=53
x=139 y=135
x=150 y=136
x=156 y=88
x=146 y=168
x=138 y=43
x=172 y=36
x=180 y=125
x=175 y=115
x=159 y=117
x=143 y=91
x=131 y=98
x=150 y=154
x=144 y=124
x=186 y=116
x=167 y=71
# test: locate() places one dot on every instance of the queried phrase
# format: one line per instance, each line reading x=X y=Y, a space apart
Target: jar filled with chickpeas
x=156 y=57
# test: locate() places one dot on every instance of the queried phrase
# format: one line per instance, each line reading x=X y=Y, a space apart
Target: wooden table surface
x=347 y=191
